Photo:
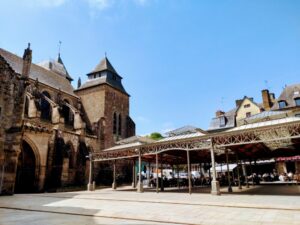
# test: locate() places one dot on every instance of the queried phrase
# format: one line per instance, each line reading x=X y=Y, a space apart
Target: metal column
x=157 y=181
x=189 y=171
x=133 y=174
x=114 y=184
x=90 y=186
x=238 y=172
x=215 y=185
x=140 y=188
x=228 y=173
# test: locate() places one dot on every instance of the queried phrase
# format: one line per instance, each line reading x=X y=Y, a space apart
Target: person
x=290 y=176
x=281 y=177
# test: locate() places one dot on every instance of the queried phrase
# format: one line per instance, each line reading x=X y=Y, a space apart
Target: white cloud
x=141 y=2
x=44 y=3
x=93 y=4
x=100 y=4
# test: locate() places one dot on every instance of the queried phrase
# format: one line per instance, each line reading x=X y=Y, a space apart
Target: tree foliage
x=155 y=136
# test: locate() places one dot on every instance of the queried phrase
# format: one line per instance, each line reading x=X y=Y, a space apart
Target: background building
x=271 y=109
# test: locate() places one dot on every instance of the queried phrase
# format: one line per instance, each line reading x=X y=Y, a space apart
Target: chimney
x=27 y=58
x=272 y=98
x=266 y=97
x=219 y=113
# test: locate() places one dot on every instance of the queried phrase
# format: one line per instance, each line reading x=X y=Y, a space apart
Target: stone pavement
x=106 y=206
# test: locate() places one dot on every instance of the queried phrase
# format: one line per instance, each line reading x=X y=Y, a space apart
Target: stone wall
x=93 y=101
x=115 y=102
x=12 y=97
x=100 y=103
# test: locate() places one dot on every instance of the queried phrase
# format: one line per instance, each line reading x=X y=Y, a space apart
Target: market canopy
x=281 y=135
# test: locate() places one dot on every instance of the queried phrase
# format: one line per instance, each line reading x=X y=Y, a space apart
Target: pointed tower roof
x=57 y=66
x=104 y=65
x=104 y=73
x=59 y=60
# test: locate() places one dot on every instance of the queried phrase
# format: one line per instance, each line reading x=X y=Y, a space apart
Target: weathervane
x=59 y=46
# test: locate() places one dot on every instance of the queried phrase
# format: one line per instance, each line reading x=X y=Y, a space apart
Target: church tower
x=106 y=104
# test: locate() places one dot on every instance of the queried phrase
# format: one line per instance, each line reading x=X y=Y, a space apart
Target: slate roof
x=215 y=124
x=56 y=66
x=44 y=76
x=289 y=94
x=266 y=114
x=265 y=124
x=183 y=130
x=103 y=80
x=104 y=65
x=108 y=75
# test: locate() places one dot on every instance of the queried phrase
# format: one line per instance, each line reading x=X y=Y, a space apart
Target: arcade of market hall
x=241 y=145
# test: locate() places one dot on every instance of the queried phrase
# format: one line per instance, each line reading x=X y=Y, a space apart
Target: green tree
x=156 y=136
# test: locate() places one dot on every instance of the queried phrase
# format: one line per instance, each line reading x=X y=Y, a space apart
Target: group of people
x=257 y=178
x=205 y=180
x=284 y=177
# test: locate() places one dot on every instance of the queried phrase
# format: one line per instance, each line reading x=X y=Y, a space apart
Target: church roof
x=59 y=60
x=104 y=73
x=103 y=80
x=56 y=66
x=44 y=76
x=104 y=65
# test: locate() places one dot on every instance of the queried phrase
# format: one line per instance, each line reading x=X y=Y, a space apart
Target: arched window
x=67 y=114
x=45 y=106
x=120 y=125
x=115 y=123
x=297 y=101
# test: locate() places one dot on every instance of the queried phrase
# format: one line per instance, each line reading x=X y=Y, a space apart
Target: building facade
x=247 y=111
x=48 y=128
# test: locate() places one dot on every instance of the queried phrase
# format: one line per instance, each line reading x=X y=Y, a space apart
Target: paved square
x=128 y=207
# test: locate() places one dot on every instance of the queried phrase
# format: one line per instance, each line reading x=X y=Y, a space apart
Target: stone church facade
x=48 y=128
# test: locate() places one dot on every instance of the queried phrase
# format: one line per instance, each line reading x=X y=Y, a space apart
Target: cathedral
x=48 y=128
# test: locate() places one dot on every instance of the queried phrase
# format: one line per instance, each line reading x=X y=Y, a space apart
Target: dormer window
x=222 y=121
x=297 y=101
x=247 y=106
x=282 y=104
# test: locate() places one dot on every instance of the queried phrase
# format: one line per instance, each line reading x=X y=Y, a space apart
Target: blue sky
x=181 y=60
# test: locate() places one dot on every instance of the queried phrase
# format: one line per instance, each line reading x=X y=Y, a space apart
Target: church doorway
x=25 y=178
